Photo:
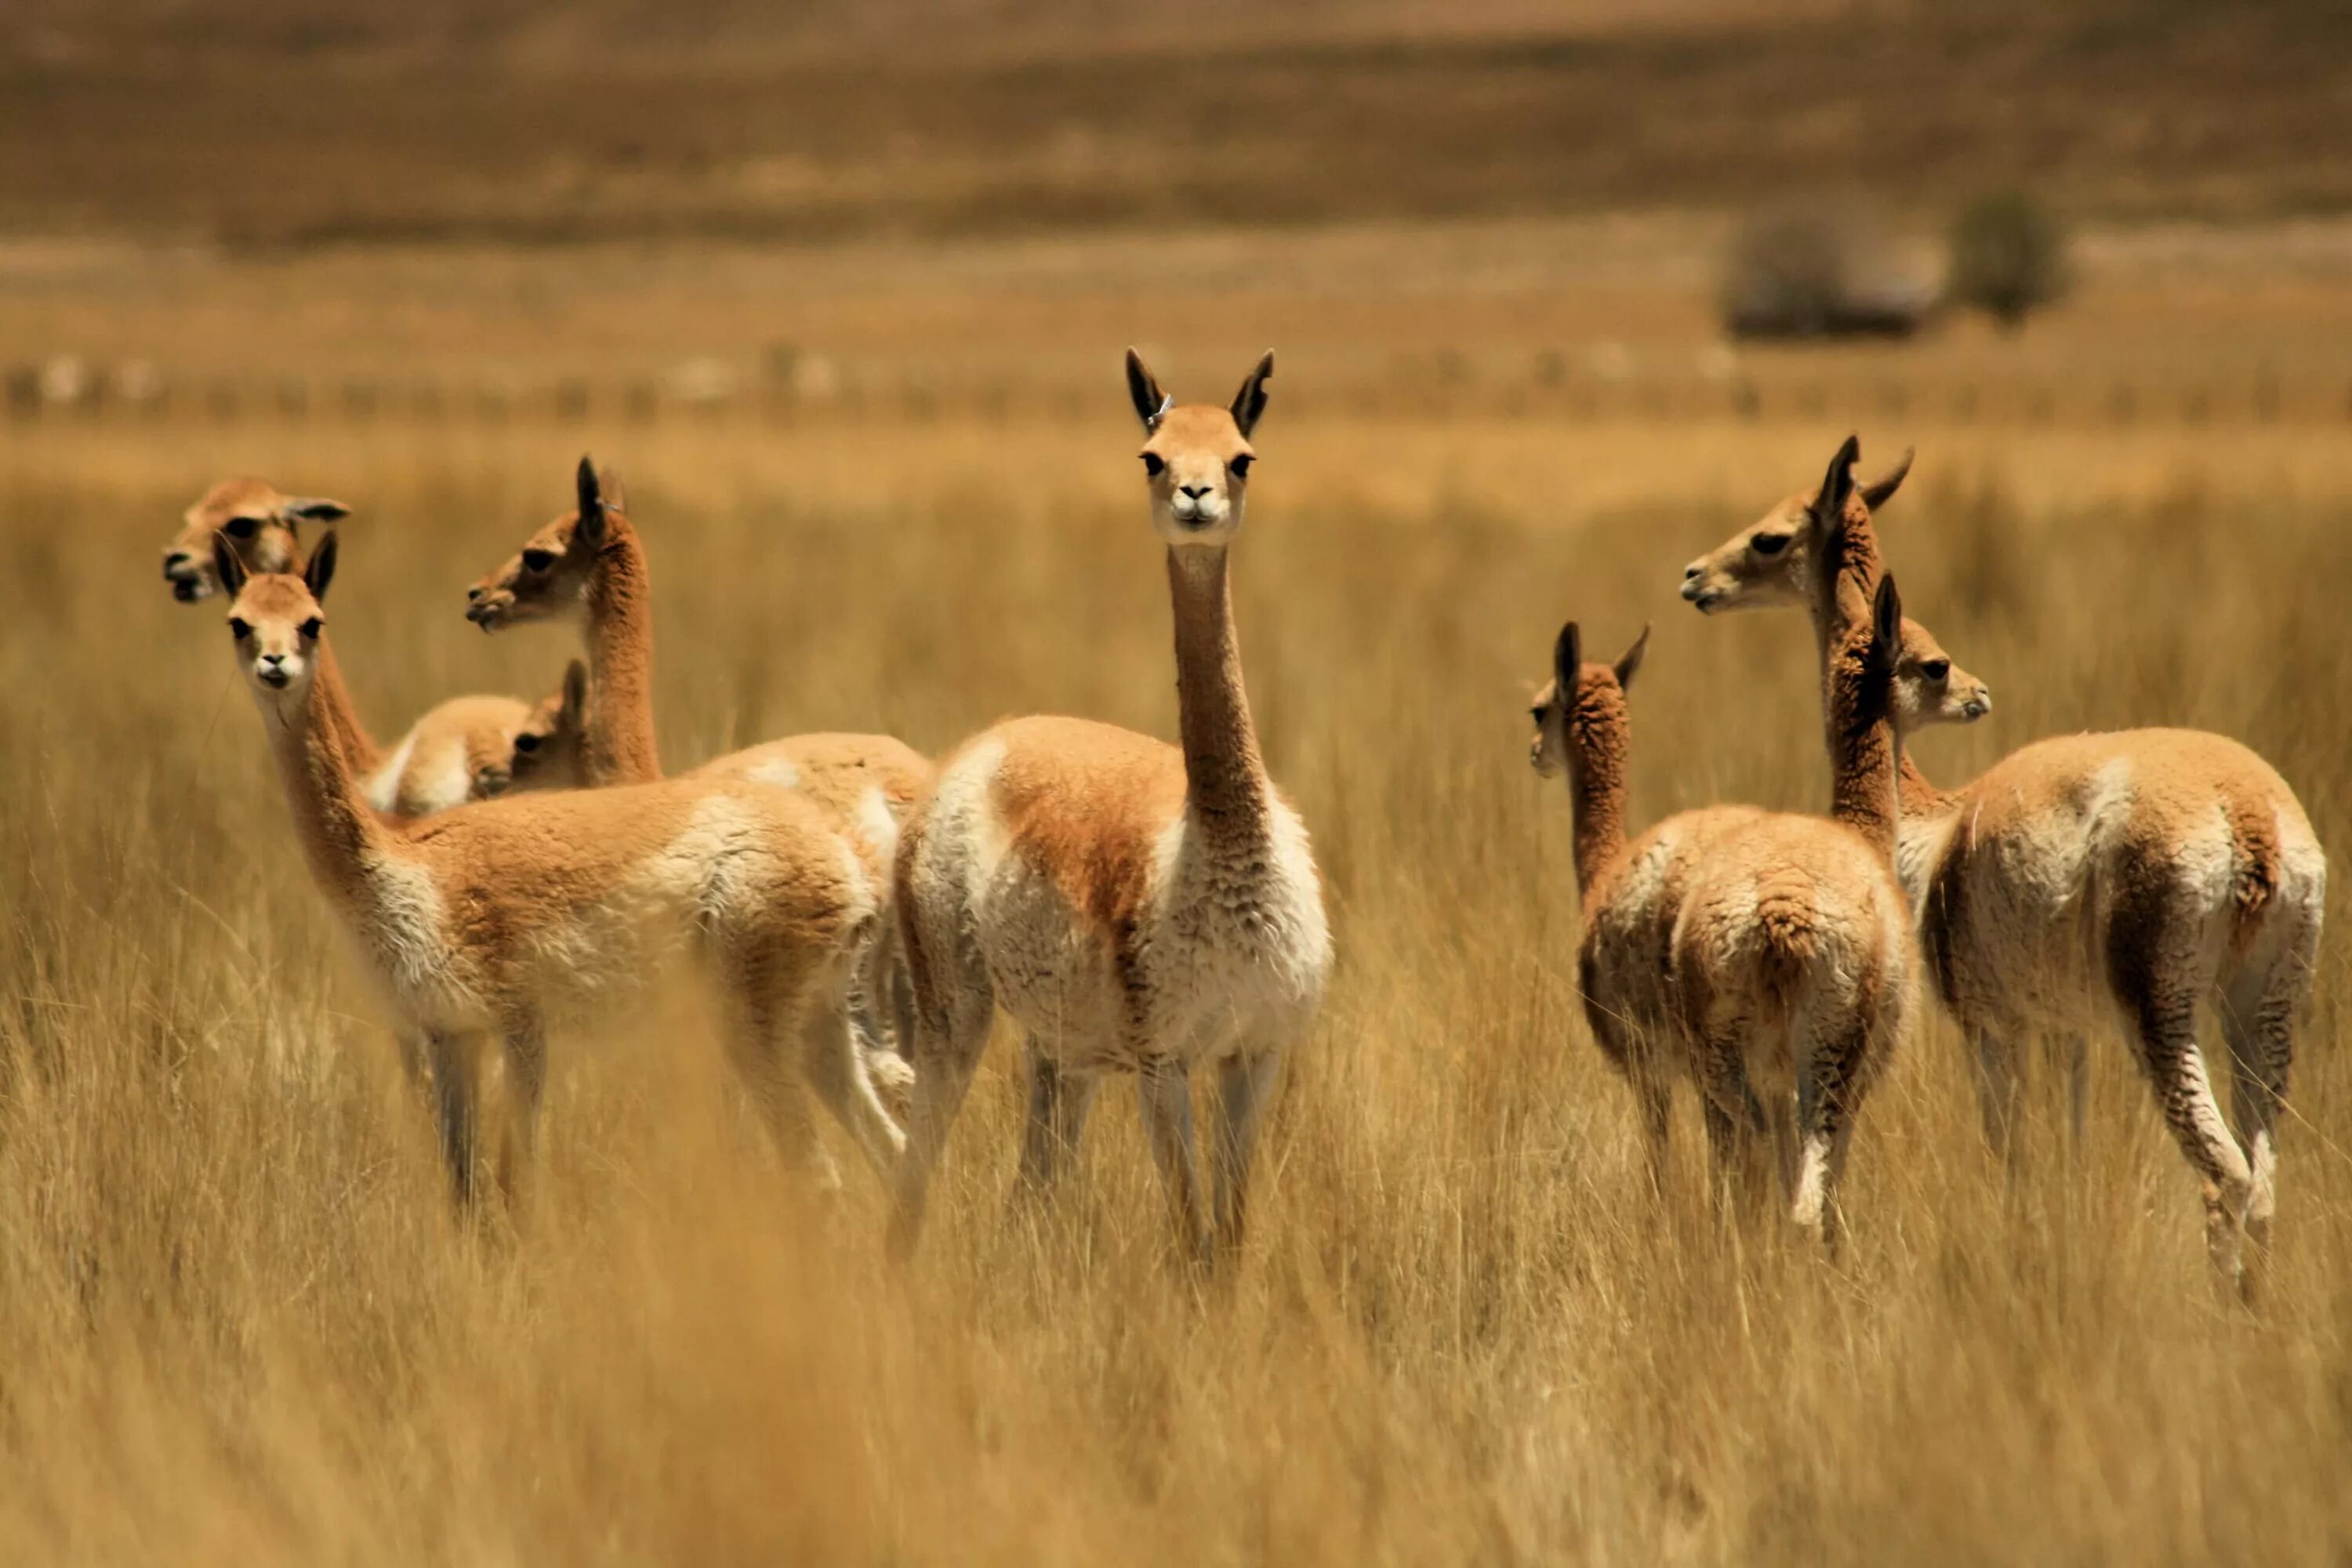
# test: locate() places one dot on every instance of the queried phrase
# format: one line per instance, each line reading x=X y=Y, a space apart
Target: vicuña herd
x=508 y=868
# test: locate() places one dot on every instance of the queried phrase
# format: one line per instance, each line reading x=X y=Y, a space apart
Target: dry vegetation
x=241 y=1324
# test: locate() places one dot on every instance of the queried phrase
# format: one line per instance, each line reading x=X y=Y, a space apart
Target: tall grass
x=238 y=1322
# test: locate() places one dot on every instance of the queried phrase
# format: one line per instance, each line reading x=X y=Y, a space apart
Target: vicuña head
x=550 y=750
x=275 y=621
x=1769 y=563
x=1582 y=705
x=259 y=524
x=548 y=575
x=1197 y=458
x=1772 y=563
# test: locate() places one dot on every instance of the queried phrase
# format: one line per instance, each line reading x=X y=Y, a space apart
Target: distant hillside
x=277 y=122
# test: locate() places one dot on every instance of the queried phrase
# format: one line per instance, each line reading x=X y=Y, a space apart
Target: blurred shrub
x=2009 y=257
x=1810 y=273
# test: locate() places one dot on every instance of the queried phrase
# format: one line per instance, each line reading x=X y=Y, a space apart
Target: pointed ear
x=1631 y=664
x=1143 y=388
x=590 y=529
x=227 y=565
x=315 y=509
x=1879 y=491
x=322 y=569
x=1249 y=403
x=1567 y=660
x=1837 y=485
x=1886 y=625
x=576 y=693
x=608 y=484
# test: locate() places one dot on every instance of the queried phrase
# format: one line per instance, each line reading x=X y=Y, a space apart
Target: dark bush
x=2009 y=257
x=1811 y=273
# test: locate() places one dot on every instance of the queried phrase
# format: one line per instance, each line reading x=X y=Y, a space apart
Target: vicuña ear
x=1151 y=403
x=316 y=508
x=1879 y=491
x=576 y=693
x=1886 y=625
x=1837 y=485
x=608 y=483
x=590 y=529
x=227 y=565
x=1249 y=403
x=1567 y=660
x=322 y=569
x=1631 y=663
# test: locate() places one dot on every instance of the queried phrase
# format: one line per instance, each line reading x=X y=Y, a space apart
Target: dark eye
x=242 y=527
x=1241 y=464
x=1769 y=543
x=1153 y=466
x=1536 y=712
x=538 y=560
x=309 y=629
x=238 y=629
x=1936 y=668
x=526 y=742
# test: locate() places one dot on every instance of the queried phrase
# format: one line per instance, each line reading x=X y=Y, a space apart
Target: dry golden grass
x=239 y=1323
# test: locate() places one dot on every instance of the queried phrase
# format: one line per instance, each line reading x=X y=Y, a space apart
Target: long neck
x=621 y=747
x=1841 y=596
x=342 y=716
x=1227 y=793
x=1862 y=759
x=1596 y=789
x=327 y=686
x=343 y=837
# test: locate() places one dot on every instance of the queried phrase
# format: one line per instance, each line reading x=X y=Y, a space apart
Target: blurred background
x=2105 y=214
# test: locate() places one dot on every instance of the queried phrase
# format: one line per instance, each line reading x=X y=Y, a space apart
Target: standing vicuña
x=1135 y=907
x=1767 y=956
x=507 y=917
x=461 y=750
x=592 y=562
x=2087 y=877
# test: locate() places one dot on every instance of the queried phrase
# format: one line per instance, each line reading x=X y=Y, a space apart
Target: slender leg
x=1736 y=1155
x=763 y=1013
x=949 y=1034
x=2258 y=1017
x=1723 y=1079
x=456 y=1091
x=526 y=1053
x=884 y=1045
x=1828 y=1071
x=835 y=1052
x=1997 y=1088
x=1245 y=1085
x=2167 y=1019
x=1059 y=1101
x=2077 y=1051
x=1166 y=1093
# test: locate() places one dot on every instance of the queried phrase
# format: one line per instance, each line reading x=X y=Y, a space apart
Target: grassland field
x=241 y=1324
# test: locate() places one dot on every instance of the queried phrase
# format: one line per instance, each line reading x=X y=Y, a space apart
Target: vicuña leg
x=456 y=1092
x=526 y=1056
x=1059 y=1101
x=2160 y=999
x=2258 y=1011
x=1246 y=1086
x=1166 y=1094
